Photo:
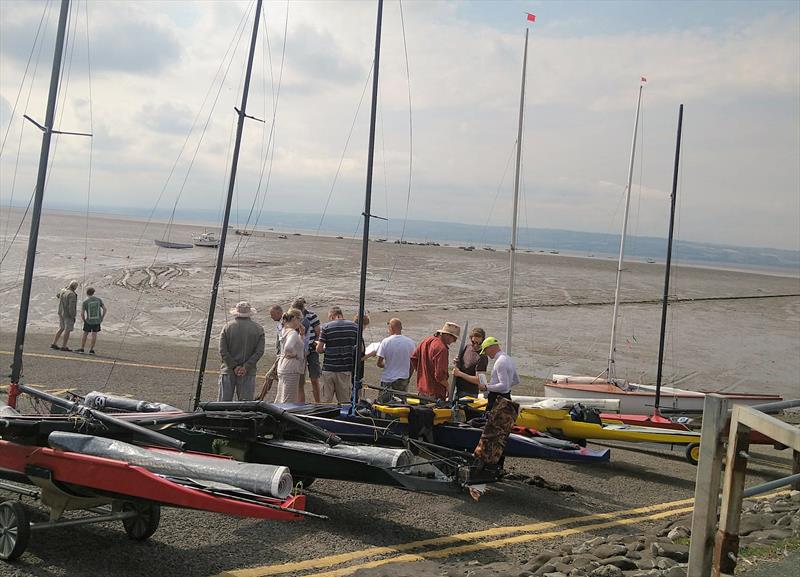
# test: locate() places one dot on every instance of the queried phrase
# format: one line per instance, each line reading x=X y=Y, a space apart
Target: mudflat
x=728 y=330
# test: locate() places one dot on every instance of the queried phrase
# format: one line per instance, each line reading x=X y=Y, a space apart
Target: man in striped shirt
x=311 y=327
x=337 y=340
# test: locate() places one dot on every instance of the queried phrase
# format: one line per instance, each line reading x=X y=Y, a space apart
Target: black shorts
x=89 y=328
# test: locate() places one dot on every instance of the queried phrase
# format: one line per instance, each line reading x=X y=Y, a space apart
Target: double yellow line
x=441 y=547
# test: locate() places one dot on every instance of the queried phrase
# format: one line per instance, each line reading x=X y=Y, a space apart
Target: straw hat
x=243 y=310
x=451 y=329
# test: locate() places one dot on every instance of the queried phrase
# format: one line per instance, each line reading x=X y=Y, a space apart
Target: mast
x=241 y=111
x=33 y=238
x=513 y=248
x=610 y=372
x=362 y=291
x=669 y=259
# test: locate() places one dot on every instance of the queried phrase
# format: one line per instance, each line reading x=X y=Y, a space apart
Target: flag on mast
x=644 y=79
x=531 y=17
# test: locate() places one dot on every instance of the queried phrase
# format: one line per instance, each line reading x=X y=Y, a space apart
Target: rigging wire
x=231 y=50
x=45 y=10
x=497 y=192
x=91 y=142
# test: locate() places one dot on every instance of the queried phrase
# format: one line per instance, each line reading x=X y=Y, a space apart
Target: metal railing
x=713 y=550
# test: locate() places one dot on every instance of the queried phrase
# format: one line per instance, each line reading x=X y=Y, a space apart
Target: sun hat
x=451 y=329
x=488 y=342
x=243 y=310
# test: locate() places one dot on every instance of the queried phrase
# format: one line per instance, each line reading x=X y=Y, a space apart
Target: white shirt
x=504 y=374
x=396 y=351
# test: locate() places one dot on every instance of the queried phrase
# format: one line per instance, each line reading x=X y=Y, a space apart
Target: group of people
x=301 y=338
x=93 y=311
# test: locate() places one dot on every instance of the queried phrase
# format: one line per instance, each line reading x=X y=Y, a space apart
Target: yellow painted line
x=472 y=547
x=529 y=535
x=446 y=540
x=84 y=359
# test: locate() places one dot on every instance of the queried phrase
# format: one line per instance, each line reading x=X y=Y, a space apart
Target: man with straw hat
x=504 y=372
x=241 y=345
x=430 y=360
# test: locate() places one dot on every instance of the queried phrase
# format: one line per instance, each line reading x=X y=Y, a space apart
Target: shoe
x=80 y=350
x=91 y=351
x=67 y=349
x=55 y=347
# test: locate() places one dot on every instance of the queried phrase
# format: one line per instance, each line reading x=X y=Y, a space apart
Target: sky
x=156 y=84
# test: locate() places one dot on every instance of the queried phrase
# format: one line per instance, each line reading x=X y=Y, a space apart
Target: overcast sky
x=735 y=66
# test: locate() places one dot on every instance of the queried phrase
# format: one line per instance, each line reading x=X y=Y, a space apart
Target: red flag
x=644 y=79
x=531 y=17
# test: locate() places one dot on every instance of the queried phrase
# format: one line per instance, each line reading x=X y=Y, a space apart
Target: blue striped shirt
x=340 y=337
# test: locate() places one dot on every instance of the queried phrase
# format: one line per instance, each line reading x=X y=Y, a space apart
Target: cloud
x=170 y=117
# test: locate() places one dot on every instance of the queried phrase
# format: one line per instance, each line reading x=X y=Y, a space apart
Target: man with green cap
x=504 y=373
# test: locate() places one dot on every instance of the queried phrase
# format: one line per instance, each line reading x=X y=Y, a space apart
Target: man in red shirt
x=431 y=361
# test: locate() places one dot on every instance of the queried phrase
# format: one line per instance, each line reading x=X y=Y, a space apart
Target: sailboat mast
x=33 y=236
x=610 y=372
x=241 y=111
x=669 y=259
x=513 y=248
x=362 y=291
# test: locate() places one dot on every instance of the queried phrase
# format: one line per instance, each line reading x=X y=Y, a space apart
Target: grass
x=775 y=550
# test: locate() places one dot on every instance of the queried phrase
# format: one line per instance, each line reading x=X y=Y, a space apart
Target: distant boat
x=207 y=239
x=283 y=236
x=651 y=260
x=242 y=232
x=168 y=244
x=553 y=252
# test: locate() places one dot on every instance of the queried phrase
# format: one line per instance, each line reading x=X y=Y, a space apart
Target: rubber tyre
x=693 y=453
x=15 y=530
x=145 y=523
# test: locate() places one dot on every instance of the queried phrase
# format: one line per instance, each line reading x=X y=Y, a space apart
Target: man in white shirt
x=394 y=357
x=504 y=372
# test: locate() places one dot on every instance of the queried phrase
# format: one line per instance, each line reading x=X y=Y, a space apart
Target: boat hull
x=639 y=399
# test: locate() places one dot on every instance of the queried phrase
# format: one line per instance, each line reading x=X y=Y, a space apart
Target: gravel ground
x=190 y=543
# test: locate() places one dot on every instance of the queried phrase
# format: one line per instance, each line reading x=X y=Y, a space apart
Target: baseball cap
x=488 y=342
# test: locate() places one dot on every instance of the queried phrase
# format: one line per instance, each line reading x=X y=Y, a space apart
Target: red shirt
x=430 y=361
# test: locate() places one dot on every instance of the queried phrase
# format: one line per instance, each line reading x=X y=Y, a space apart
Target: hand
x=456 y=372
x=240 y=371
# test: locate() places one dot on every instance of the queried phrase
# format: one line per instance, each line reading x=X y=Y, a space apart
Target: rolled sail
x=375 y=456
x=101 y=401
x=268 y=480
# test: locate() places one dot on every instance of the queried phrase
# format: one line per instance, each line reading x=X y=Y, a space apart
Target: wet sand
x=741 y=334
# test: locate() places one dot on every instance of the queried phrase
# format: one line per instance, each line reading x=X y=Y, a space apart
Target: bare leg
x=83 y=340
x=94 y=340
x=301 y=389
x=315 y=389
x=66 y=338
x=58 y=336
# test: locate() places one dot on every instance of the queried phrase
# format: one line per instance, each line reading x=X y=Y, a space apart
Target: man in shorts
x=311 y=328
x=67 y=308
x=93 y=311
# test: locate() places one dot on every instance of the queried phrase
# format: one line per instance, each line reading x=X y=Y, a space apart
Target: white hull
x=637 y=399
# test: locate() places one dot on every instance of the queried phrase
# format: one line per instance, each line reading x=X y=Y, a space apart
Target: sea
x=545 y=240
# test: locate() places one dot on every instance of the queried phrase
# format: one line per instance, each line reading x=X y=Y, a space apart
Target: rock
x=615 y=538
x=563 y=567
x=644 y=573
x=619 y=561
x=577 y=572
x=589 y=545
x=606 y=571
x=755 y=522
x=785 y=521
x=634 y=555
x=546 y=568
x=678 y=532
x=679 y=553
x=794 y=496
x=609 y=550
x=541 y=559
x=767 y=536
x=525 y=574
x=676 y=571
x=784 y=507
x=585 y=561
x=665 y=562
x=635 y=546
x=649 y=563
x=556 y=574
x=631 y=539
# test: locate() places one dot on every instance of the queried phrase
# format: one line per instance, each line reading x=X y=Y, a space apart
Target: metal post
x=727 y=540
x=33 y=236
x=610 y=373
x=707 y=485
x=362 y=290
x=224 y=234
x=513 y=248
x=673 y=196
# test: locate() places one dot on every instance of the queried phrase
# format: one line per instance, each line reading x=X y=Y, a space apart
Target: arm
x=229 y=361
x=381 y=364
x=474 y=379
x=250 y=363
x=103 y=311
x=441 y=373
x=83 y=312
x=321 y=342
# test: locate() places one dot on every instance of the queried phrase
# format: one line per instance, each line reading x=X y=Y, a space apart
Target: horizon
x=739 y=182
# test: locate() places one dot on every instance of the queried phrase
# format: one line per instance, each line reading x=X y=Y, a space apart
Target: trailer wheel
x=15 y=530
x=693 y=453
x=145 y=523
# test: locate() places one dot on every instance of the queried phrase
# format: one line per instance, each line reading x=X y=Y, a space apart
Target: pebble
x=671 y=550
x=665 y=562
x=619 y=561
x=678 y=532
x=676 y=571
x=606 y=571
x=609 y=550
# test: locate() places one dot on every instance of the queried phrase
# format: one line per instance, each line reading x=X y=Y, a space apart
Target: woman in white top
x=292 y=361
